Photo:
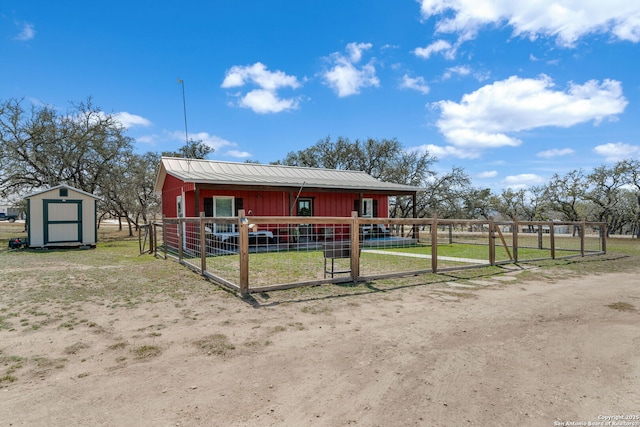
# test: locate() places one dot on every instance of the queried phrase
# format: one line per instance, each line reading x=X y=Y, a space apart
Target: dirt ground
x=490 y=352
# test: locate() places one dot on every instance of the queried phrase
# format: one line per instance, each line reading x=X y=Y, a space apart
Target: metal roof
x=252 y=174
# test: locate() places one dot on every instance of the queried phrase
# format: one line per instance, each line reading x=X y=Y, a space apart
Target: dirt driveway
x=490 y=352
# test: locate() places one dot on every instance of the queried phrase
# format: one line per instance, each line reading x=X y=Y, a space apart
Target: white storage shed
x=61 y=216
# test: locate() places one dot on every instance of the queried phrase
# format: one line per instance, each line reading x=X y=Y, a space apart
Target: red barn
x=221 y=189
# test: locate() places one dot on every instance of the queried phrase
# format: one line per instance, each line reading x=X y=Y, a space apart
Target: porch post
x=197 y=199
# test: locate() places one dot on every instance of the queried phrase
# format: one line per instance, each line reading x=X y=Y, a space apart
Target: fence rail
x=258 y=254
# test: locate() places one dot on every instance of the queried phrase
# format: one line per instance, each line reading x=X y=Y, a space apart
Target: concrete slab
x=482 y=282
x=461 y=285
x=450 y=291
x=504 y=278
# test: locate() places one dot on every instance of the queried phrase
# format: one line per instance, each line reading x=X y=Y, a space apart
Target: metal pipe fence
x=258 y=254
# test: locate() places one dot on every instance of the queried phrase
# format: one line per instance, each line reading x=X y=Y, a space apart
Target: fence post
x=243 y=226
x=514 y=238
x=355 y=247
x=152 y=240
x=164 y=235
x=154 y=225
x=203 y=245
x=450 y=234
x=582 y=233
x=492 y=242
x=180 y=237
x=540 y=245
x=552 y=240
x=434 y=243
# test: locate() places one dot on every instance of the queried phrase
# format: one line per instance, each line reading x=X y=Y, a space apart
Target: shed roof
x=251 y=174
x=61 y=186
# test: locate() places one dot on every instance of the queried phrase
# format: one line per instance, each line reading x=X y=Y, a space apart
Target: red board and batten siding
x=279 y=203
x=171 y=189
x=265 y=203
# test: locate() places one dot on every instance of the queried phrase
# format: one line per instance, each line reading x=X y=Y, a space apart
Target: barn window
x=305 y=207
x=64 y=192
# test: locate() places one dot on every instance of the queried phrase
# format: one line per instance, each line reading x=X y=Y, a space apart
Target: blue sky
x=510 y=90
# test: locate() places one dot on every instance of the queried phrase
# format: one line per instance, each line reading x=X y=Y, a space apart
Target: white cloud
x=616 y=151
x=491 y=115
x=237 y=153
x=213 y=141
x=355 y=51
x=257 y=73
x=446 y=151
x=148 y=139
x=129 y=120
x=417 y=83
x=517 y=182
x=460 y=70
x=347 y=79
x=556 y=152
x=27 y=32
x=439 y=46
x=565 y=20
x=265 y=99
x=488 y=174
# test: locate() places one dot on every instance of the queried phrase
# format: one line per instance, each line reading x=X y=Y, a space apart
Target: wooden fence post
x=164 y=235
x=492 y=242
x=540 y=245
x=552 y=240
x=514 y=238
x=243 y=226
x=152 y=238
x=583 y=231
x=180 y=237
x=203 y=245
x=434 y=243
x=355 y=247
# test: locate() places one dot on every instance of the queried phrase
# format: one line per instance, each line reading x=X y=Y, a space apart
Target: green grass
x=298 y=266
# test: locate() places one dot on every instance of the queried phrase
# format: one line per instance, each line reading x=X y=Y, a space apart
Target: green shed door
x=62 y=221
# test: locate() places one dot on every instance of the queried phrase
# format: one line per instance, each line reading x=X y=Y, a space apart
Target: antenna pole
x=184 y=109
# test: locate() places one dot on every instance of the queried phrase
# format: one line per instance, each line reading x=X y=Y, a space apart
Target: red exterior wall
x=278 y=203
x=267 y=203
x=171 y=189
x=270 y=203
